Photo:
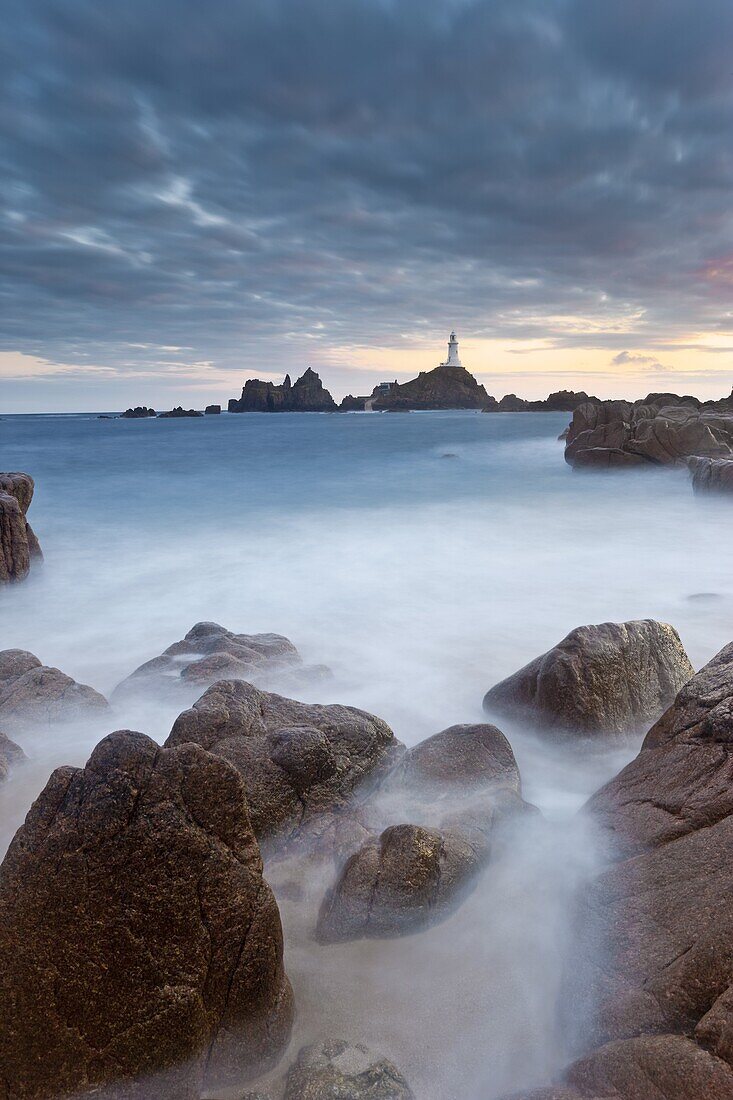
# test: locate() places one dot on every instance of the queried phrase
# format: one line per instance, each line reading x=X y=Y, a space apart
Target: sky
x=193 y=194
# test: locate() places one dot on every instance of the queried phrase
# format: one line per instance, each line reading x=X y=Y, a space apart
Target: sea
x=422 y=557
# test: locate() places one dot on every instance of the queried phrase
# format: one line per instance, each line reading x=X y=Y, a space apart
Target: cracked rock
x=140 y=947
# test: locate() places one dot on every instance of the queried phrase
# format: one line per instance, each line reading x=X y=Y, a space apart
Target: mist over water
x=421 y=580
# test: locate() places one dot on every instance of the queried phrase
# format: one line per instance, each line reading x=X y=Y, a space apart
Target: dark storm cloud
x=211 y=176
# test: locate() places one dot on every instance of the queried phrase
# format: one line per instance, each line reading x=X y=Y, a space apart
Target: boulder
x=140 y=947
x=461 y=761
x=298 y=760
x=711 y=475
x=612 y=679
x=32 y=693
x=337 y=1070
x=19 y=546
x=208 y=653
x=403 y=881
x=10 y=756
x=212 y=410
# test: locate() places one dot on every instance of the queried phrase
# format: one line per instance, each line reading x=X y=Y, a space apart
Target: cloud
x=265 y=181
x=642 y=363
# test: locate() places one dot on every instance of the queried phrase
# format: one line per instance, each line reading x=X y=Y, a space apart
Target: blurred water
x=423 y=557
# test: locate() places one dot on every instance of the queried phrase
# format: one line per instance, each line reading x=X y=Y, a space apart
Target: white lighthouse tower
x=452 y=360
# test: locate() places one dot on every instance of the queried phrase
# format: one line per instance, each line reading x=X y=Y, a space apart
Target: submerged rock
x=19 y=546
x=337 y=1070
x=298 y=760
x=140 y=946
x=32 y=693
x=209 y=653
x=613 y=679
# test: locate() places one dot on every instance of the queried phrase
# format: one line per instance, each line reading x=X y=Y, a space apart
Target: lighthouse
x=452 y=360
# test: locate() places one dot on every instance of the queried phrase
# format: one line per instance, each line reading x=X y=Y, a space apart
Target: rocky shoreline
x=141 y=948
x=660 y=430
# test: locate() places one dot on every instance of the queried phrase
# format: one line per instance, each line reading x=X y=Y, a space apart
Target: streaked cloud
x=304 y=181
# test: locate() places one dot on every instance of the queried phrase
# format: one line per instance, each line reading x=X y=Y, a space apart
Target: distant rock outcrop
x=445 y=387
x=141 y=951
x=212 y=410
x=612 y=679
x=560 y=401
x=178 y=413
x=140 y=412
x=307 y=394
x=19 y=546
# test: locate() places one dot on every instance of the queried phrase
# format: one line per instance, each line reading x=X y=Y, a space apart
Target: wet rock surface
x=338 y=1070
x=613 y=679
x=299 y=761
x=19 y=547
x=32 y=693
x=140 y=947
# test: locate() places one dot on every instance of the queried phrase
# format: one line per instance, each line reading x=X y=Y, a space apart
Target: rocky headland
x=141 y=947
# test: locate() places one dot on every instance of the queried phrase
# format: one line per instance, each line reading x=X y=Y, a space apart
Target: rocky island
x=306 y=394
